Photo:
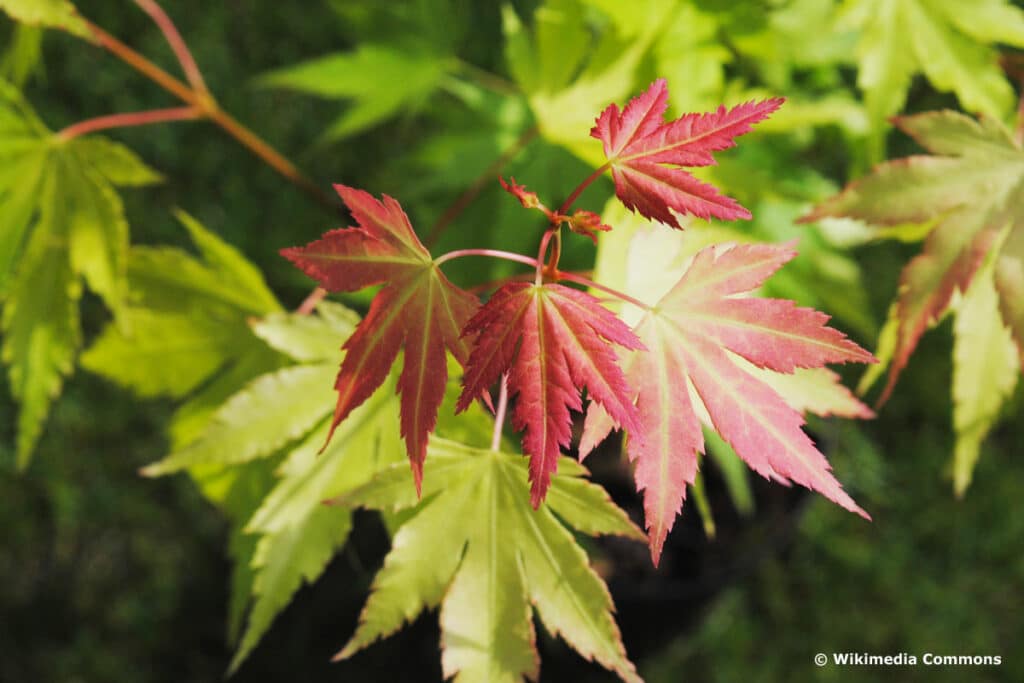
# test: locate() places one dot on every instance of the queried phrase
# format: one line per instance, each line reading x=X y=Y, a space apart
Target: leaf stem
x=586 y=282
x=559 y=275
x=125 y=120
x=518 y=277
x=309 y=304
x=493 y=253
x=467 y=197
x=541 y=269
x=207 y=107
x=178 y=45
x=556 y=252
x=499 y=414
x=564 y=208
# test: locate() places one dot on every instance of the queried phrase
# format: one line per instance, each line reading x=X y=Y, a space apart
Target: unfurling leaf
x=645 y=154
x=554 y=341
x=418 y=311
x=587 y=223
x=448 y=554
x=703 y=334
x=528 y=199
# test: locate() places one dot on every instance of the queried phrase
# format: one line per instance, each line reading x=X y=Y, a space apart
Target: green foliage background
x=104 y=576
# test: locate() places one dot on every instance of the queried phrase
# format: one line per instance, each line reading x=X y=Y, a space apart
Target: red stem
x=564 y=208
x=607 y=290
x=560 y=275
x=544 y=241
x=518 y=277
x=178 y=45
x=135 y=118
x=493 y=253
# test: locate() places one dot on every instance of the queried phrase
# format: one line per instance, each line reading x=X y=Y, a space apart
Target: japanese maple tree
x=433 y=369
x=690 y=358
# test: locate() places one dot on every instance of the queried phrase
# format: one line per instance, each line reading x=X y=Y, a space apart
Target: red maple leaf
x=418 y=311
x=554 y=341
x=645 y=154
x=692 y=335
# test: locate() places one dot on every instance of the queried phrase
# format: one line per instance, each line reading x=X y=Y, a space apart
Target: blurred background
x=108 y=577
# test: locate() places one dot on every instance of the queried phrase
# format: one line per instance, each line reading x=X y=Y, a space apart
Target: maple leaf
x=692 y=334
x=61 y=223
x=554 y=341
x=971 y=187
x=448 y=554
x=260 y=463
x=59 y=14
x=381 y=81
x=970 y=191
x=419 y=311
x=945 y=40
x=644 y=154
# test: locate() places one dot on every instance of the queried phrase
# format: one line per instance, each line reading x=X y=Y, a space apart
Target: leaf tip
x=345 y=652
x=151 y=471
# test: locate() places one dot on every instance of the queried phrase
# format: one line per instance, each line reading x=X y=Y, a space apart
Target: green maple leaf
x=475 y=547
x=567 y=74
x=257 y=457
x=187 y=323
x=61 y=222
x=380 y=80
x=950 y=42
x=969 y=193
x=297 y=534
x=59 y=14
x=985 y=369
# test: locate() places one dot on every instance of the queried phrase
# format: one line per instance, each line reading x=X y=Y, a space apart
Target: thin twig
x=467 y=197
x=178 y=45
x=209 y=109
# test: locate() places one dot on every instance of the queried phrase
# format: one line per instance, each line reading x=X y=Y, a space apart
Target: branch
x=209 y=109
x=181 y=51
